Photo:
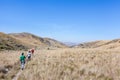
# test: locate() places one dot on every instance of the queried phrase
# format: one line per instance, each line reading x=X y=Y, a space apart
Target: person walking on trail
x=29 y=55
x=32 y=50
x=22 y=60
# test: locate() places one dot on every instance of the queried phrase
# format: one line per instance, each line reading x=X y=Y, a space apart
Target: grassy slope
x=9 y=43
x=73 y=64
x=111 y=44
x=36 y=41
x=26 y=40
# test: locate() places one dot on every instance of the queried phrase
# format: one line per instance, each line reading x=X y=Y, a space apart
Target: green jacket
x=22 y=57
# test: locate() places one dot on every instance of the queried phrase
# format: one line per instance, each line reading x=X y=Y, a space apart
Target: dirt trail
x=17 y=75
x=20 y=71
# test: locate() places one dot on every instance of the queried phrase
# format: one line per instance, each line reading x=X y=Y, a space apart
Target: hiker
x=22 y=60
x=29 y=55
x=32 y=50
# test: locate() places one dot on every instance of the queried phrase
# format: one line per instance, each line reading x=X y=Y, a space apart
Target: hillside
x=17 y=41
x=54 y=43
x=113 y=44
x=20 y=41
x=103 y=44
x=93 y=44
x=9 y=43
x=36 y=41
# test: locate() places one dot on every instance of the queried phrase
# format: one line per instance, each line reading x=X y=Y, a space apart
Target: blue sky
x=63 y=20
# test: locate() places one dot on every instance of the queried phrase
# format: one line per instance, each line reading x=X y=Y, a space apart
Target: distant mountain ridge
x=70 y=44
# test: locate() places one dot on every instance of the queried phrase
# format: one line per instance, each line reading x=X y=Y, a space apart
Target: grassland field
x=63 y=64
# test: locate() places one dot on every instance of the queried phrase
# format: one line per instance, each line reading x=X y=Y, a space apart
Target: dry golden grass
x=67 y=64
x=9 y=64
x=73 y=64
x=9 y=57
